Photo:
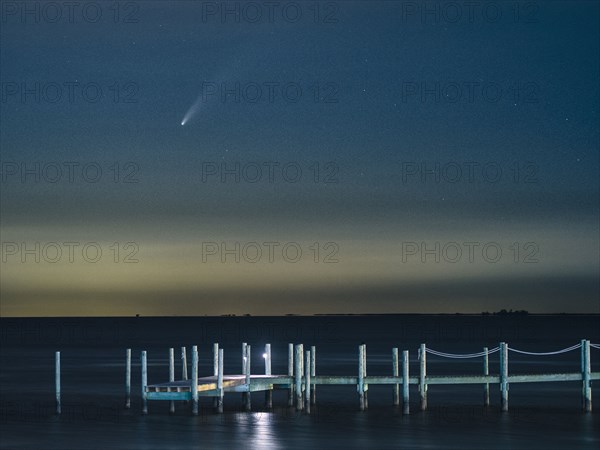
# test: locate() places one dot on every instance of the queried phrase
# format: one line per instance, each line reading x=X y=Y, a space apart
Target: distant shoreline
x=248 y=316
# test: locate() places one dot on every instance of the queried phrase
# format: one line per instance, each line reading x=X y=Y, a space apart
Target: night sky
x=335 y=157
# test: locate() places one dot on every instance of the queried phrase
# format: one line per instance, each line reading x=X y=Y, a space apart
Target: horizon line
x=140 y=316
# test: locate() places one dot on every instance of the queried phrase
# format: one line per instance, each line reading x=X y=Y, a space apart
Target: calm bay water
x=541 y=415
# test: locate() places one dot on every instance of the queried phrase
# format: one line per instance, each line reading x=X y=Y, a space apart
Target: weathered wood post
x=248 y=378
x=307 y=367
x=588 y=370
x=396 y=373
x=267 y=357
x=486 y=371
x=302 y=369
x=586 y=376
x=184 y=374
x=144 y=382
x=313 y=373
x=365 y=385
x=57 y=381
x=128 y=378
x=195 y=380
x=582 y=370
x=215 y=368
x=269 y=392
x=298 y=376
x=361 y=377
x=422 y=375
x=172 y=376
x=504 y=376
x=244 y=358
x=405 y=381
x=215 y=359
x=220 y=382
x=291 y=373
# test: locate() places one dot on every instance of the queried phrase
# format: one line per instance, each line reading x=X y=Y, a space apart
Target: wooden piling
x=244 y=358
x=302 y=366
x=405 y=381
x=220 y=382
x=128 y=378
x=313 y=373
x=365 y=386
x=307 y=368
x=582 y=370
x=486 y=371
x=396 y=373
x=298 y=376
x=267 y=358
x=215 y=368
x=268 y=392
x=361 y=377
x=504 y=376
x=57 y=381
x=586 y=375
x=422 y=375
x=144 y=382
x=248 y=404
x=215 y=359
x=184 y=373
x=195 y=380
x=291 y=373
x=172 y=376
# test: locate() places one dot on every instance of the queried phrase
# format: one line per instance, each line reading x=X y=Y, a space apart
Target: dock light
x=265 y=355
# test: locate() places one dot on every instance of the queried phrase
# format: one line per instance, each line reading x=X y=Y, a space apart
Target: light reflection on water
x=259 y=430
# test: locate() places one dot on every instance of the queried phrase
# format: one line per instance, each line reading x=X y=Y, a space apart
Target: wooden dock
x=207 y=386
x=301 y=379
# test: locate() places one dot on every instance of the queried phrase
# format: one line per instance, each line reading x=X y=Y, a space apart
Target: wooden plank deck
x=207 y=386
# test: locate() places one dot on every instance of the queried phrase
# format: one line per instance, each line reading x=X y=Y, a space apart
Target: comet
x=192 y=111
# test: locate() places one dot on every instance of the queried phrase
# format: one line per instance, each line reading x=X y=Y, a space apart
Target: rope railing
x=493 y=350
x=557 y=352
x=461 y=356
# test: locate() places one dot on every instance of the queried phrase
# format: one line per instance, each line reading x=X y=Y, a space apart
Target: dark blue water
x=541 y=416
